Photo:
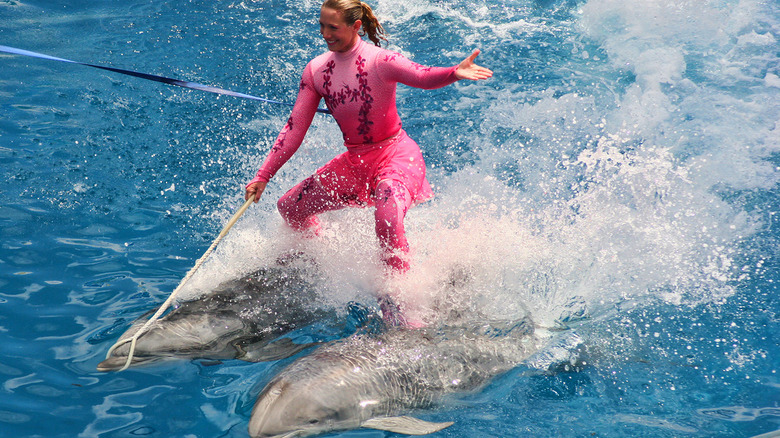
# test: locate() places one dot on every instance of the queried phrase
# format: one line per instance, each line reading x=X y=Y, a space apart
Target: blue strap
x=164 y=80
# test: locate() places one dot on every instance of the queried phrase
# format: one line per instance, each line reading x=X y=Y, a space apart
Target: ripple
x=646 y=420
x=9 y=370
x=740 y=413
x=14 y=417
x=93 y=244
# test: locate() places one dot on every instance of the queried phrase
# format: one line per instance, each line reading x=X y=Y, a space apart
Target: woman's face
x=339 y=36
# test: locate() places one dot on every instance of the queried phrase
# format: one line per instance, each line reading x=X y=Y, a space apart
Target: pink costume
x=382 y=165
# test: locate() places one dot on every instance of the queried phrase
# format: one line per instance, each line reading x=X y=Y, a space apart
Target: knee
x=295 y=201
x=388 y=221
x=300 y=205
x=282 y=204
x=391 y=206
x=392 y=202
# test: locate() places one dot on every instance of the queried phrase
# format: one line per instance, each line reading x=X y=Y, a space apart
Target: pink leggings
x=300 y=206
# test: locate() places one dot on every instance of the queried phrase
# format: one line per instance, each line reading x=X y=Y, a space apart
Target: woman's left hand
x=469 y=70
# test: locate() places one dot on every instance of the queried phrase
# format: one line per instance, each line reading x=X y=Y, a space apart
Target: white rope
x=132 y=340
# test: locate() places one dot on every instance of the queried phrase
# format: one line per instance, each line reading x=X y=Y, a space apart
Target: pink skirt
x=353 y=176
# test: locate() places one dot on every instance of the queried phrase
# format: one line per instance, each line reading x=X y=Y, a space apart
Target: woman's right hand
x=255 y=188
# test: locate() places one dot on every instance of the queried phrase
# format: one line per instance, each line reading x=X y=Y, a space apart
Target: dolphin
x=371 y=381
x=241 y=319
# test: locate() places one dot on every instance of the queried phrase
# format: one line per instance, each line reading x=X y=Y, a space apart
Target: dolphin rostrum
x=371 y=381
x=241 y=319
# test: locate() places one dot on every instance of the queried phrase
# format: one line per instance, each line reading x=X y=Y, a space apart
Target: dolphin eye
x=314 y=421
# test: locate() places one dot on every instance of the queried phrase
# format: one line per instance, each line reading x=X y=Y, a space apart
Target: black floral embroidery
x=421 y=67
x=279 y=144
x=334 y=99
x=365 y=95
x=326 y=83
x=396 y=192
x=306 y=187
x=393 y=56
x=351 y=199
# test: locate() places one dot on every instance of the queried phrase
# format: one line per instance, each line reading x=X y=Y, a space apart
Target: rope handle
x=132 y=340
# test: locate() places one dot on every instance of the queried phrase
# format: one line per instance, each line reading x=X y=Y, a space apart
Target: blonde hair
x=354 y=10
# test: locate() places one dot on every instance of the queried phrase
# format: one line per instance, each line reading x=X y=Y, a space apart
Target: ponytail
x=371 y=26
x=354 y=10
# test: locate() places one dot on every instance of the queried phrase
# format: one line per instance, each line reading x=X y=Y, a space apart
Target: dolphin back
x=372 y=381
x=239 y=319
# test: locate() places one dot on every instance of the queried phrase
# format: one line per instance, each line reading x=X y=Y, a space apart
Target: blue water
x=619 y=174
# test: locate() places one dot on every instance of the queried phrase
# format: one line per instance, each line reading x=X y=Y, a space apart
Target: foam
x=576 y=201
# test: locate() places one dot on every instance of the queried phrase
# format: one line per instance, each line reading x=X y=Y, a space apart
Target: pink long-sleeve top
x=359 y=89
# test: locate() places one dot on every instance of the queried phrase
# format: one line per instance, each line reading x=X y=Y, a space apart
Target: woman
x=382 y=166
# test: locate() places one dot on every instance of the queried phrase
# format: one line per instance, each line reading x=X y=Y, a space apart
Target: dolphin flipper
x=405 y=425
x=276 y=350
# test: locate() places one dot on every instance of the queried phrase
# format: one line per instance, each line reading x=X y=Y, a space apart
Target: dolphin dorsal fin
x=405 y=425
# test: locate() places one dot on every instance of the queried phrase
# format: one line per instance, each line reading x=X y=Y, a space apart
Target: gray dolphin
x=240 y=319
x=368 y=381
